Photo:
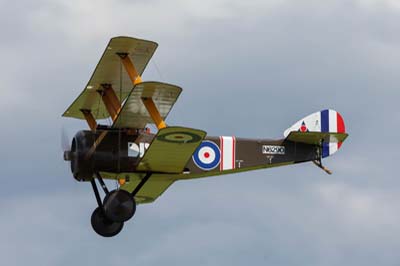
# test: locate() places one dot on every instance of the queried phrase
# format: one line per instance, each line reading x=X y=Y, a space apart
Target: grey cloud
x=325 y=222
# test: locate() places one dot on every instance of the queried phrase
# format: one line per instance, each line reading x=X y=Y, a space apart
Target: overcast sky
x=247 y=68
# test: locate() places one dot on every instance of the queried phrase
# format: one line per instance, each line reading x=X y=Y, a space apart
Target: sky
x=247 y=68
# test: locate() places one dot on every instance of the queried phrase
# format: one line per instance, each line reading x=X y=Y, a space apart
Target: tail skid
x=318 y=163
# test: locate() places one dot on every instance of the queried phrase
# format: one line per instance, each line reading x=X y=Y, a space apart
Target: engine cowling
x=108 y=155
x=82 y=166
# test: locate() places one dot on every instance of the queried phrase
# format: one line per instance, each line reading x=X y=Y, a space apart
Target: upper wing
x=110 y=72
x=134 y=113
x=171 y=149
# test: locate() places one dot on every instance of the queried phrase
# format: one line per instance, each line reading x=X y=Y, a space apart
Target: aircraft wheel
x=103 y=226
x=119 y=206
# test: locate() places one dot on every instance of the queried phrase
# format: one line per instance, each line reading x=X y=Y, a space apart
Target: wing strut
x=130 y=68
x=110 y=100
x=90 y=119
x=108 y=95
x=148 y=102
x=154 y=113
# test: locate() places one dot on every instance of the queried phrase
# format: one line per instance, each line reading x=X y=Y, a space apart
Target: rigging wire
x=157 y=69
x=98 y=108
x=119 y=129
x=98 y=104
x=97 y=115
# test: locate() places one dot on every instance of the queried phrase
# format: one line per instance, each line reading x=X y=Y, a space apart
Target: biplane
x=145 y=164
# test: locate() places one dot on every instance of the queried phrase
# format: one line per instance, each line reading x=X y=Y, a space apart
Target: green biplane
x=146 y=164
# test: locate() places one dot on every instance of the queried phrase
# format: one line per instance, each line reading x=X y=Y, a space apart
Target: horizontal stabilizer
x=316 y=138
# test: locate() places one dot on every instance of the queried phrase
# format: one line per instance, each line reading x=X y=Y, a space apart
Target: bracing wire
x=98 y=108
x=119 y=129
x=97 y=115
x=157 y=69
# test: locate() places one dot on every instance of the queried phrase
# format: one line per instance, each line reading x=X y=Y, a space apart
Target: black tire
x=103 y=226
x=119 y=206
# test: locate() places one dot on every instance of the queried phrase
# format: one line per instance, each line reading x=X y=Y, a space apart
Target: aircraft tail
x=326 y=128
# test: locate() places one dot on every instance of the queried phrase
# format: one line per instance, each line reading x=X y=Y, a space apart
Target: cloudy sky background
x=248 y=68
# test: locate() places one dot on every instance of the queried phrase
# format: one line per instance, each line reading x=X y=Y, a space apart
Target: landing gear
x=104 y=226
x=117 y=207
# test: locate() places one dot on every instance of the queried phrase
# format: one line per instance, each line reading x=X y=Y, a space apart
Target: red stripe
x=340 y=126
x=233 y=152
x=221 y=140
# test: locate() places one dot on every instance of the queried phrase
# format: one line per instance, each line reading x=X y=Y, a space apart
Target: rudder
x=325 y=121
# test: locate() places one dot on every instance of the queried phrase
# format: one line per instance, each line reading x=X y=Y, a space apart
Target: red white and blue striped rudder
x=324 y=121
x=331 y=121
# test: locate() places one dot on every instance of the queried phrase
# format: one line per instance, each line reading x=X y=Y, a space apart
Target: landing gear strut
x=117 y=207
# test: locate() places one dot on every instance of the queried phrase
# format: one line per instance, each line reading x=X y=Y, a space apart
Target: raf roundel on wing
x=207 y=156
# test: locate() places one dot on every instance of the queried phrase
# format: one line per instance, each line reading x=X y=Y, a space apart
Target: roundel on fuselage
x=207 y=156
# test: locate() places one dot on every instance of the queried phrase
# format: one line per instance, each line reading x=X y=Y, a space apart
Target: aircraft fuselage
x=122 y=151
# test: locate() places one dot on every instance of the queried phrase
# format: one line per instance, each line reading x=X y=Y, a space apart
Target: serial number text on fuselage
x=273 y=149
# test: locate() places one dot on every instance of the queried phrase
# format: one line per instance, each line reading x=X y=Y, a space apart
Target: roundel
x=179 y=137
x=207 y=156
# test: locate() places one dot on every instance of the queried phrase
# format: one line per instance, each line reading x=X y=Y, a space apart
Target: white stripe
x=227 y=156
x=333 y=147
x=317 y=122
x=332 y=121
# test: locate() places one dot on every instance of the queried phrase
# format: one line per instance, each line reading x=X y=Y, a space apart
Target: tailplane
x=325 y=128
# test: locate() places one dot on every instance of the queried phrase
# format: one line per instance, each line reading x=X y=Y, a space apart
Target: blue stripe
x=325 y=150
x=325 y=128
x=325 y=121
